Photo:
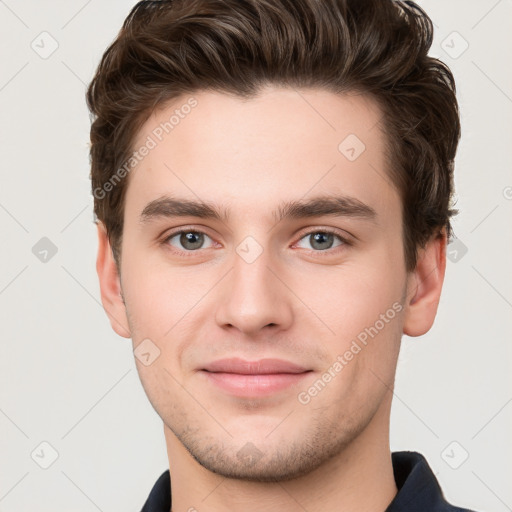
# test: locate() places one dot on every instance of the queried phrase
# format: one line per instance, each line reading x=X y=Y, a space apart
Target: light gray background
x=67 y=379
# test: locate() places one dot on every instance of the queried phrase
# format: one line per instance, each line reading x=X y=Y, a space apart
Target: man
x=272 y=184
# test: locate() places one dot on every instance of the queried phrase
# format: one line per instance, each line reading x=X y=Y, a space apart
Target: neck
x=358 y=478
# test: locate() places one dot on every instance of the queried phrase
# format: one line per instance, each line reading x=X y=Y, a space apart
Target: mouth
x=252 y=379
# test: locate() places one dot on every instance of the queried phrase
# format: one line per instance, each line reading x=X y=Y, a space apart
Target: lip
x=243 y=378
x=260 y=367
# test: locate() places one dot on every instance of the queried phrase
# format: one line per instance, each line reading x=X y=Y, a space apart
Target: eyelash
x=325 y=252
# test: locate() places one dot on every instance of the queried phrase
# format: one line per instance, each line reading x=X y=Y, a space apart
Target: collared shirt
x=418 y=488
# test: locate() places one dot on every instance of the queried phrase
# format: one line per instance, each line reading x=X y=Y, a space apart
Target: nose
x=252 y=297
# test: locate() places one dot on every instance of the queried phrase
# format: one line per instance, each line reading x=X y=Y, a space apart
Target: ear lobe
x=110 y=285
x=424 y=287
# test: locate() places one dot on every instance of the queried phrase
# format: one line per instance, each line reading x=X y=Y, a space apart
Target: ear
x=110 y=285
x=424 y=286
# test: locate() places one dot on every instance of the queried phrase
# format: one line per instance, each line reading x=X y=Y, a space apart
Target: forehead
x=283 y=144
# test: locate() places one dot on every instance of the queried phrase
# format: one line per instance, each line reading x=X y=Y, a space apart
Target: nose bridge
x=252 y=296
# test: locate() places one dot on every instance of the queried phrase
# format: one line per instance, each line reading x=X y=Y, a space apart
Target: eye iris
x=194 y=239
x=318 y=239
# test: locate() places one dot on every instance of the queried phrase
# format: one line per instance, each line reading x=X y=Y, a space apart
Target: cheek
x=362 y=310
x=156 y=297
x=349 y=298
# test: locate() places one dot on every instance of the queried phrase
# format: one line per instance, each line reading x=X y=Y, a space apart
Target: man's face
x=253 y=286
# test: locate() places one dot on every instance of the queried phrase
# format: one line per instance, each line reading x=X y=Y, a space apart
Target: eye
x=191 y=240
x=188 y=240
x=322 y=240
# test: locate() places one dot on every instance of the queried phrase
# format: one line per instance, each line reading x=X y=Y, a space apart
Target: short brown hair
x=374 y=47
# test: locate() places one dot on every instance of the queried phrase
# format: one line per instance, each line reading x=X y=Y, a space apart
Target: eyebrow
x=337 y=206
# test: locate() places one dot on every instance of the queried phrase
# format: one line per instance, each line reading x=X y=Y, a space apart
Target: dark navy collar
x=418 y=489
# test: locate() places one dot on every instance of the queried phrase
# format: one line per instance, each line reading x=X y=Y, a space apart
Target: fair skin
x=200 y=301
